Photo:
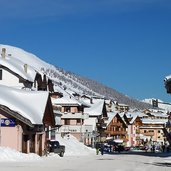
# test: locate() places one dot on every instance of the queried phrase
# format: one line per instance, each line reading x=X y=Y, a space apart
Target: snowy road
x=116 y=162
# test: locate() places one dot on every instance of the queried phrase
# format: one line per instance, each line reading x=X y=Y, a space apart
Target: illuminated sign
x=7 y=122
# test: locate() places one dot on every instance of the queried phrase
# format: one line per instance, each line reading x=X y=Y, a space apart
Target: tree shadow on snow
x=162 y=164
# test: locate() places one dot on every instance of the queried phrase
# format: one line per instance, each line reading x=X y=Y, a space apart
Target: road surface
x=111 y=162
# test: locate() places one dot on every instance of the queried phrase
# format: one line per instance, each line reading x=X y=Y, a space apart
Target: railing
x=116 y=124
x=74 y=116
x=101 y=125
x=149 y=134
x=116 y=132
x=137 y=138
x=76 y=128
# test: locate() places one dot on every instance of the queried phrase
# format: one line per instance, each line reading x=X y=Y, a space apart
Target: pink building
x=23 y=118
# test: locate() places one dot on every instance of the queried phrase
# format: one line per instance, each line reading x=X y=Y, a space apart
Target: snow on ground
x=78 y=157
x=72 y=148
x=8 y=154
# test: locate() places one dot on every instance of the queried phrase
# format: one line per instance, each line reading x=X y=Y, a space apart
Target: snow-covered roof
x=29 y=104
x=164 y=115
x=59 y=89
x=122 y=117
x=124 y=105
x=167 y=78
x=17 y=67
x=57 y=75
x=135 y=114
x=133 y=119
x=132 y=116
x=164 y=106
x=154 y=121
x=96 y=107
x=66 y=101
x=107 y=101
x=25 y=57
x=110 y=117
x=68 y=98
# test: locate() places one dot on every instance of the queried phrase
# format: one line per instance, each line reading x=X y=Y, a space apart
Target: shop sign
x=7 y=122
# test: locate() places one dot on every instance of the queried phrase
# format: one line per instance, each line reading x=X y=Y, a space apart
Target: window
x=145 y=131
x=66 y=122
x=78 y=121
x=53 y=134
x=0 y=74
x=66 y=109
x=151 y=130
x=117 y=129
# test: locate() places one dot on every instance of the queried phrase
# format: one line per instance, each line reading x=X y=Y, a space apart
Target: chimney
x=91 y=100
x=25 y=68
x=3 y=53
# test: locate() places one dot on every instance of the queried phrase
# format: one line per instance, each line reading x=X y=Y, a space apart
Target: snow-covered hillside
x=70 y=81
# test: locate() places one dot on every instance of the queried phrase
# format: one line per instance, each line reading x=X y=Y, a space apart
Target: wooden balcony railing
x=116 y=124
x=149 y=134
x=116 y=132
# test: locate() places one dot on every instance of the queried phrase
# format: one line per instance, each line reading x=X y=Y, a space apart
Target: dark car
x=107 y=148
x=127 y=148
x=55 y=147
x=143 y=148
x=119 y=148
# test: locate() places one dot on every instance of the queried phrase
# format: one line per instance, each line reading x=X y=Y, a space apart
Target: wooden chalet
x=116 y=127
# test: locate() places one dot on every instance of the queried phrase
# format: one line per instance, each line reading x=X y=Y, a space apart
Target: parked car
x=55 y=147
x=119 y=148
x=143 y=148
x=127 y=148
x=107 y=148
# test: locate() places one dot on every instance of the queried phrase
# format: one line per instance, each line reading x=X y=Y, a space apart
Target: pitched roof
x=29 y=104
x=17 y=67
x=154 y=121
x=65 y=101
x=111 y=115
x=96 y=108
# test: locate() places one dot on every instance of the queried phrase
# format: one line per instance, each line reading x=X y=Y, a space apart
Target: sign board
x=7 y=122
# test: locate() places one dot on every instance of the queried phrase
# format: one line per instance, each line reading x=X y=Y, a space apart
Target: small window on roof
x=0 y=74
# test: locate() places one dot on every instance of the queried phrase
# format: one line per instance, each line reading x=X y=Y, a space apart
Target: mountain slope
x=94 y=88
x=70 y=81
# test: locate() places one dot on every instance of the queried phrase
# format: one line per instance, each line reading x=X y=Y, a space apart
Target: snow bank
x=73 y=147
x=8 y=154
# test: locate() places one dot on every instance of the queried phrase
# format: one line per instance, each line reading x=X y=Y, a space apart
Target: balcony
x=116 y=124
x=116 y=132
x=101 y=125
x=149 y=134
x=76 y=128
x=71 y=128
x=74 y=116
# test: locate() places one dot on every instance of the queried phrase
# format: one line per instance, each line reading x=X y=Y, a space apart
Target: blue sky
x=124 y=44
